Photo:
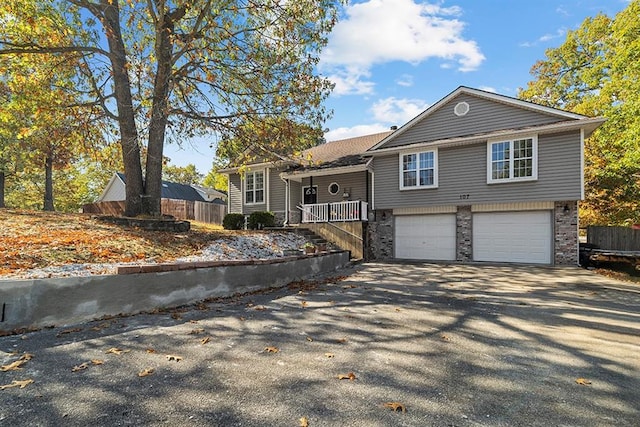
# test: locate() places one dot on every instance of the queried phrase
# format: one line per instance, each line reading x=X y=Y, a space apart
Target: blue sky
x=391 y=59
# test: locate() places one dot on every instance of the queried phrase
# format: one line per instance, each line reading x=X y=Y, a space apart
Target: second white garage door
x=428 y=237
x=523 y=237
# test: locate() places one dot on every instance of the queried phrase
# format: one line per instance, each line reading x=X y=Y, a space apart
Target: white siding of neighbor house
x=463 y=172
x=483 y=116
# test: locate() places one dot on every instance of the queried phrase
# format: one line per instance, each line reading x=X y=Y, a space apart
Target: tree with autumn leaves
x=168 y=70
x=596 y=72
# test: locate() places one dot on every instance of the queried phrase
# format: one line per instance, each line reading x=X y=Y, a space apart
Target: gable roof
x=342 y=152
x=173 y=190
x=563 y=117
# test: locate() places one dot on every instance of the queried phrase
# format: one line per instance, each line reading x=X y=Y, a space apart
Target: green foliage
x=233 y=221
x=216 y=180
x=260 y=220
x=596 y=72
x=182 y=174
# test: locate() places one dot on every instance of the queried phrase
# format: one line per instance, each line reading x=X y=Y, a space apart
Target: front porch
x=350 y=210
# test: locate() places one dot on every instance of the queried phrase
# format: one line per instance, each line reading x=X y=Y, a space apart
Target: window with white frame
x=512 y=160
x=419 y=170
x=254 y=187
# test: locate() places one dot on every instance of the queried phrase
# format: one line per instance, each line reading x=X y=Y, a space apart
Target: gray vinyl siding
x=483 y=116
x=235 y=193
x=295 y=189
x=354 y=183
x=277 y=191
x=463 y=171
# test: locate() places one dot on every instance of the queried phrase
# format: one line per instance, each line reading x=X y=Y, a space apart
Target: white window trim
x=264 y=188
x=534 y=165
x=418 y=186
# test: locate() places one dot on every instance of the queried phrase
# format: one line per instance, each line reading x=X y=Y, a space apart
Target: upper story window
x=419 y=170
x=512 y=160
x=254 y=187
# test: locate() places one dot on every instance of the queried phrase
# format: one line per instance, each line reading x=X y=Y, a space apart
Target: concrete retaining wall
x=44 y=302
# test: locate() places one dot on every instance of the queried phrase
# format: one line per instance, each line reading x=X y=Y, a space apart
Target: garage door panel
x=523 y=237
x=428 y=237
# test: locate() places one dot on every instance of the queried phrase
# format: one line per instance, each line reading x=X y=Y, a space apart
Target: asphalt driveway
x=456 y=345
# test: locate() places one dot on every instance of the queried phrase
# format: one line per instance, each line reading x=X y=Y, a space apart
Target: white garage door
x=428 y=237
x=512 y=237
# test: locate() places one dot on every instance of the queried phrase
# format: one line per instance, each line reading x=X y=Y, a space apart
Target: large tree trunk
x=159 y=113
x=48 y=184
x=135 y=191
x=2 y=181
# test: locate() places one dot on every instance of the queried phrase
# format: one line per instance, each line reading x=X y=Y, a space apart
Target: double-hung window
x=254 y=187
x=512 y=160
x=419 y=170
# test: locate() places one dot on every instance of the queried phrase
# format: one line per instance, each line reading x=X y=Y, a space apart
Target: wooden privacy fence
x=212 y=213
x=614 y=238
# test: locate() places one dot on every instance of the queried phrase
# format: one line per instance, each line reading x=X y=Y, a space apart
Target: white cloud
x=380 y=31
x=397 y=111
x=351 y=81
x=405 y=80
x=560 y=33
x=488 y=89
x=350 y=132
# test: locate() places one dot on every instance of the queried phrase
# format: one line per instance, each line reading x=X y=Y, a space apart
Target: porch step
x=308 y=234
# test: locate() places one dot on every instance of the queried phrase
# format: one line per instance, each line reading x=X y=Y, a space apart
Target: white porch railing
x=355 y=210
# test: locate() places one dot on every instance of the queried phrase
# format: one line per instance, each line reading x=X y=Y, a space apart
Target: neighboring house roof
x=565 y=120
x=209 y=194
x=170 y=190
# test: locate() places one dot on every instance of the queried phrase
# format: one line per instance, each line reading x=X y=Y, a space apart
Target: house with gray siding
x=331 y=182
x=480 y=177
x=477 y=176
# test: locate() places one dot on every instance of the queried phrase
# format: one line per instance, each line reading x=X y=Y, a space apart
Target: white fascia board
x=297 y=176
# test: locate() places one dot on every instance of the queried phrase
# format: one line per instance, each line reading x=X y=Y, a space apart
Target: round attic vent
x=461 y=109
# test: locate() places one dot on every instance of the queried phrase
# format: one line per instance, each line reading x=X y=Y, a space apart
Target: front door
x=310 y=195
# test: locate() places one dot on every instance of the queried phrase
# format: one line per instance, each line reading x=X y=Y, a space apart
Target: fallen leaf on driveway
x=146 y=372
x=395 y=406
x=304 y=304
x=150 y=351
x=329 y=355
x=271 y=349
x=17 y=383
x=171 y=357
x=309 y=339
x=116 y=350
x=26 y=356
x=196 y=331
x=96 y=362
x=80 y=367
x=13 y=366
x=583 y=381
x=350 y=376
x=304 y=422
x=445 y=338
x=205 y=340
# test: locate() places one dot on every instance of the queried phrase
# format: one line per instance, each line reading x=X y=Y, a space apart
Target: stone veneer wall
x=464 y=245
x=565 y=242
x=380 y=236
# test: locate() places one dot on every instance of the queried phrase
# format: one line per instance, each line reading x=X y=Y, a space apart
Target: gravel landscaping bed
x=245 y=247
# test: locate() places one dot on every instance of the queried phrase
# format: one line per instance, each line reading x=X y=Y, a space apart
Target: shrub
x=260 y=220
x=233 y=221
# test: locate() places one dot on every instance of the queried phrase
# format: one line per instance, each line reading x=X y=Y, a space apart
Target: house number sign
x=465 y=196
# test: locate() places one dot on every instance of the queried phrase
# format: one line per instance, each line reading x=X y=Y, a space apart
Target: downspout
x=287 y=200
x=373 y=184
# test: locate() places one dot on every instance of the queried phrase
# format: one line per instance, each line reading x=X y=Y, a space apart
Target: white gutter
x=299 y=175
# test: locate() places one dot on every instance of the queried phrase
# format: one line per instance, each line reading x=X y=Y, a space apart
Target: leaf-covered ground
x=30 y=239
